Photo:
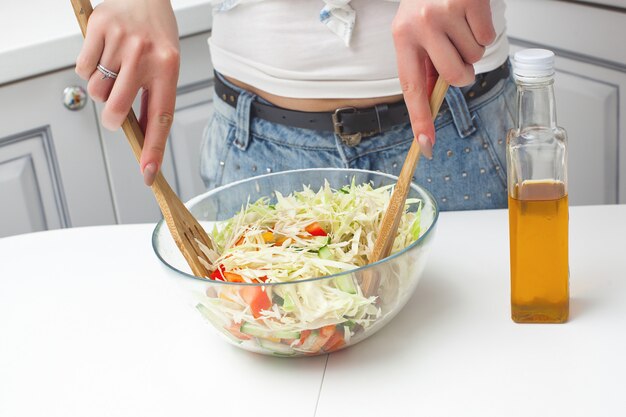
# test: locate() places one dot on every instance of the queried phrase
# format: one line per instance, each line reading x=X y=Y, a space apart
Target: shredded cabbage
x=274 y=243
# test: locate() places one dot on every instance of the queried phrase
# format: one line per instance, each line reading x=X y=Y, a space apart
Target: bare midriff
x=316 y=104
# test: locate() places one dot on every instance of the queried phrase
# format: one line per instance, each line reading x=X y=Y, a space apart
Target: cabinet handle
x=74 y=97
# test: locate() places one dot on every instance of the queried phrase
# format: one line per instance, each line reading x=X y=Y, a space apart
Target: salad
x=288 y=241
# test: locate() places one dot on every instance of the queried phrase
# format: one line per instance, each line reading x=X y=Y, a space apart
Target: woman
x=305 y=83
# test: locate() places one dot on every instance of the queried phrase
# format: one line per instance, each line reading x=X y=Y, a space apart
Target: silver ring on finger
x=106 y=73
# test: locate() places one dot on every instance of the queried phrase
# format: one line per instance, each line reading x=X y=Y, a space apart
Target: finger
x=431 y=75
x=100 y=87
x=481 y=23
x=123 y=94
x=426 y=146
x=161 y=102
x=449 y=63
x=426 y=143
x=412 y=74
x=463 y=39
x=143 y=115
x=91 y=51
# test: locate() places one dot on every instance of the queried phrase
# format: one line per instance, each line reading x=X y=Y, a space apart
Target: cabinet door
x=193 y=108
x=587 y=107
x=590 y=88
x=134 y=202
x=52 y=171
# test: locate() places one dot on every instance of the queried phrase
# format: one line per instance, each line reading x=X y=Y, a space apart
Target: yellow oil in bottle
x=538 y=223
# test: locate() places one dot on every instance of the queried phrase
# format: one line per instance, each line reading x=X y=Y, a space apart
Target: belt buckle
x=351 y=139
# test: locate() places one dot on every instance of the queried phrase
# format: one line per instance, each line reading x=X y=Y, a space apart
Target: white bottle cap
x=533 y=63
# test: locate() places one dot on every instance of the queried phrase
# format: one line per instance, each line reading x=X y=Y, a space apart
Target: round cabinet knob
x=74 y=97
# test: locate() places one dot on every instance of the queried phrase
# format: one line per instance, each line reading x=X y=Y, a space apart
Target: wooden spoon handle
x=82 y=10
x=437 y=96
x=391 y=219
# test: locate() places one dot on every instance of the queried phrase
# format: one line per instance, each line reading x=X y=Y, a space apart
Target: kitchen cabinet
x=52 y=169
x=590 y=87
x=59 y=168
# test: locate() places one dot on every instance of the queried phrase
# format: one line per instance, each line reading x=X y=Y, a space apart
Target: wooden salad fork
x=185 y=229
x=391 y=219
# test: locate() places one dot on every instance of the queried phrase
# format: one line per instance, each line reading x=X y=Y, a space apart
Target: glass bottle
x=537 y=188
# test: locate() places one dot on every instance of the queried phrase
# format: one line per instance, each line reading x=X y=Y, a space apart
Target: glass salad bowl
x=315 y=313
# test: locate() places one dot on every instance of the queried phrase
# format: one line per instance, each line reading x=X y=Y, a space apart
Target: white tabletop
x=90 y=324
x=454 y=351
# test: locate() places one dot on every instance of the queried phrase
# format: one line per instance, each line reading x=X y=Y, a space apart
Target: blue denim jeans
x=468 y=169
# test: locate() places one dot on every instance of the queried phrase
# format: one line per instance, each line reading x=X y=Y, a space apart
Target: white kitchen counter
x=91 y=324
x=42 y=35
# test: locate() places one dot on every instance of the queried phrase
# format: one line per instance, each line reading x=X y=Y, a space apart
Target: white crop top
x=280 y=46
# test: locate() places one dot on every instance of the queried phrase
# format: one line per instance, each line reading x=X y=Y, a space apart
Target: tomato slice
x=325 y=333
x=335 y=342
x=328 y=331
x=218 y=273
x=315 y=229
x=256 y=298
x=304 y=335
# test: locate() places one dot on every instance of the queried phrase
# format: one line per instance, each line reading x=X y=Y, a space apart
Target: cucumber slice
x=346 y=283
x=209 y=315
x=288 y=304
x=325 y=253
x=349 y=324
x=216 y=321
x=252 y=330
x=279 y=349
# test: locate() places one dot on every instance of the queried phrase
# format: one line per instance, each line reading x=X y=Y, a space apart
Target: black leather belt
x=350 y=123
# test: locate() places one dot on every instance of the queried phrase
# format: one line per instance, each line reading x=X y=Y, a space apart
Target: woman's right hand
x=437 y=37
x=138 y=39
